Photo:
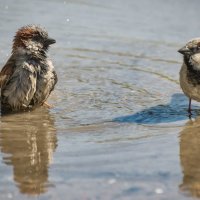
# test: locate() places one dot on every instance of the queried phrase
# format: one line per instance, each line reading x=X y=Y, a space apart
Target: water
x=119 y=127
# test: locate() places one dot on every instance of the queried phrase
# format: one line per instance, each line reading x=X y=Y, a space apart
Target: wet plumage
x=190 y=71
x=28 y=77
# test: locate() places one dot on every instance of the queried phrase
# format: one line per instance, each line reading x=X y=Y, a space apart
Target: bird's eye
x=194 y=48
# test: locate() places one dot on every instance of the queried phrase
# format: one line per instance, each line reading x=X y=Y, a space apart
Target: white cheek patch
x=195 y=61
x=33 y=46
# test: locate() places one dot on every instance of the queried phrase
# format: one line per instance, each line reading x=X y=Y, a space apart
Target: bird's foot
x=47 y=105
x=190 y=113
x=189 y=108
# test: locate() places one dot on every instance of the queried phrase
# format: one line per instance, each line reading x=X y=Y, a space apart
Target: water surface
x=119 y=127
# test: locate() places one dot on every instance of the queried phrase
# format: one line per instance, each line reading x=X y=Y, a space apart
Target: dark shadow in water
x=190 y=158
x=176 y=110
x=27 y=141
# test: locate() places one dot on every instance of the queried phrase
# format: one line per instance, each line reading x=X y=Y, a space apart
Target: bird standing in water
x=28 y=77
x=190 y=71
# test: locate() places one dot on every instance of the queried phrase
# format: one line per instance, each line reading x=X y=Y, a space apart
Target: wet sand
x=119 y=127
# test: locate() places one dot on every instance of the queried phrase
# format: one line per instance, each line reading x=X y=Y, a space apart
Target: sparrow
x=190 y=71
x=28 y=77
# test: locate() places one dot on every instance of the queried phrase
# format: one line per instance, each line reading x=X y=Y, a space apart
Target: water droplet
x=112 y=181
x=10 y=196
x=158 y=190
x=67 y=19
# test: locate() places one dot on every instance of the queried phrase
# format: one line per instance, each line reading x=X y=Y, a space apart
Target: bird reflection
x=28 y=141
x=190 y=158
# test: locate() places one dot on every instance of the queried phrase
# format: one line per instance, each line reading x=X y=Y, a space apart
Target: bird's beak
x=50 y=41
x=184 y=50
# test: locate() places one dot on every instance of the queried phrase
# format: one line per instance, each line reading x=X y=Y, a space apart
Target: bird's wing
x=54 y=80
x=7 y=71
x=19 y=89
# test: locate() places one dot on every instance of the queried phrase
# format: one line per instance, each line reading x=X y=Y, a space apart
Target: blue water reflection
x=176 y=110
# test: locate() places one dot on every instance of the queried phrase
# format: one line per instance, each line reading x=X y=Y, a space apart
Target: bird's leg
x=47 y=105
x=189 y=108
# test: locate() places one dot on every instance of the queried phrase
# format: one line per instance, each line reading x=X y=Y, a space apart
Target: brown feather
x=5 y=73
x=22 y=35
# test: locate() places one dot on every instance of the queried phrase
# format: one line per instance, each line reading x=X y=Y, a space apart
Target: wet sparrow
x=28 y=77
x=190 y=71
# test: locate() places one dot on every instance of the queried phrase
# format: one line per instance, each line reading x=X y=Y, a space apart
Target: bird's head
x=191 y=53
x=191 y=48
x=32 y=38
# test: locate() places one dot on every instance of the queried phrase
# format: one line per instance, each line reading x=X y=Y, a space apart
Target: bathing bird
x=190 y=71
x=28 y=77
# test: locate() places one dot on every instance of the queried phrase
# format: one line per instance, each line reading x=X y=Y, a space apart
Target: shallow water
x=119 y=127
